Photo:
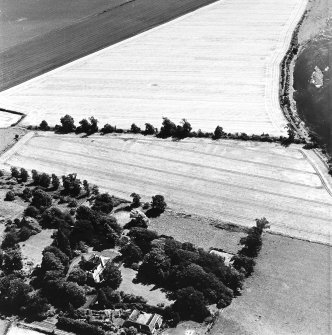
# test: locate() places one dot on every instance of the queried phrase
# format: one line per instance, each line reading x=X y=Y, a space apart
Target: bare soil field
x=289 y=292
x=230 y=181
x=216 y=65
x=72 y=29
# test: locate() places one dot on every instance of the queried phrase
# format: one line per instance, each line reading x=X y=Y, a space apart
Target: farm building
x=147 y=323
x=100 y=262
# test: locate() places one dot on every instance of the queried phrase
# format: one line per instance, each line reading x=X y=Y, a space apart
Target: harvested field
x=231 y=181
x=289 y=292
x=217 y=65
x=69 y=30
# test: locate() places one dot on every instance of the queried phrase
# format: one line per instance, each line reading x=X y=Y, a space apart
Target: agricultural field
x=230 y=181
x=216 y=65
x=289 y=292
x=38 y=36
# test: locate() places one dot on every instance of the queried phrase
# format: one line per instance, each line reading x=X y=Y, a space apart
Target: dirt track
x=228 y=180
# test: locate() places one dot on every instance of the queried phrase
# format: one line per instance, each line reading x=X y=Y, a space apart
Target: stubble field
x=217 y=65
x=230 y=181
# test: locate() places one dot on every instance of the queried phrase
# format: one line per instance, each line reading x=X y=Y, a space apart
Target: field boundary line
x=317 y=168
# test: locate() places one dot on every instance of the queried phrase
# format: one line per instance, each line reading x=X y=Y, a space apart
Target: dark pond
x=312 y=82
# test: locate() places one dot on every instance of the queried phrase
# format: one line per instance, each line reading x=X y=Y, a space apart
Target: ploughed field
x=231 y=181
x=216 y=65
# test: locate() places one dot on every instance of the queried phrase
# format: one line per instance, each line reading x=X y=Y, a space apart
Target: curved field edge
x=210 y=179
x=200 y=66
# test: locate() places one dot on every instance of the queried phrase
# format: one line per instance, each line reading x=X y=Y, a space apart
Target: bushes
x=10 y=196
x=31 y=211
x=103 y=203
x=41 y=199
x=79 y=327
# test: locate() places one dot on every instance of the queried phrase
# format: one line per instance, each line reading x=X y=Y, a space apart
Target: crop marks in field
x=227 y=180
x=217 y=65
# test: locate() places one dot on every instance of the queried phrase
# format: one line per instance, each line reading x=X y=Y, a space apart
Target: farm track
x=297 y=205
x=60 y=46
x=217 y=65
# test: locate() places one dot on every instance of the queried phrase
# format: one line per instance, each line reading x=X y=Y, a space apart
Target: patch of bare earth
x=289 y=292
x=7 y=136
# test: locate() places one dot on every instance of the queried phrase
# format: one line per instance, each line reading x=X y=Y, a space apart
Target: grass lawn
x=289 y=292
x=153 y=296
x=33 y=247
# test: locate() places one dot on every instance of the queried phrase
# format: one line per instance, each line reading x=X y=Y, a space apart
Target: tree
x=135 y=129
x=168 y=128
x=41 y=199
x=84 y=126
x=186 y=128
x=51 y=262
x=94 y=126
x=149 y=129
x=44 y=180
x=55 y=181
x=15 y=296
x=10 y=240
x=27 y=193
x=142 y=238
x=103 y=203
x=190 y=304
x=36 y=307
x=24 y=175
x=131 y=253
x=25 y=233
x=218 y=133
x=61 y=241
x=14 y=172
x=44 y=126
x=136 y=200
x=158 y=203
x=74 y=294
x=86 y=187
x=68 y=124
x=31 y=211
x=72 y=184
x=10 y=196
x=12 y=260
x=35 y=177
x=78 y=276
x=112 y=276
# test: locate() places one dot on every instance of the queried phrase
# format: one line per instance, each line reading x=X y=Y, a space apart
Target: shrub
x=107 y=129
x=25 y=233
x=10 y=196
x=44 y=180
x=136 y=200
x=10 y=240
x=103 y=203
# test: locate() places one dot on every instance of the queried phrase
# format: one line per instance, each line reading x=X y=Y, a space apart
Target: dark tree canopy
x=67 y=124
x=158 y=203
x=112 y=276
x=41 y=199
